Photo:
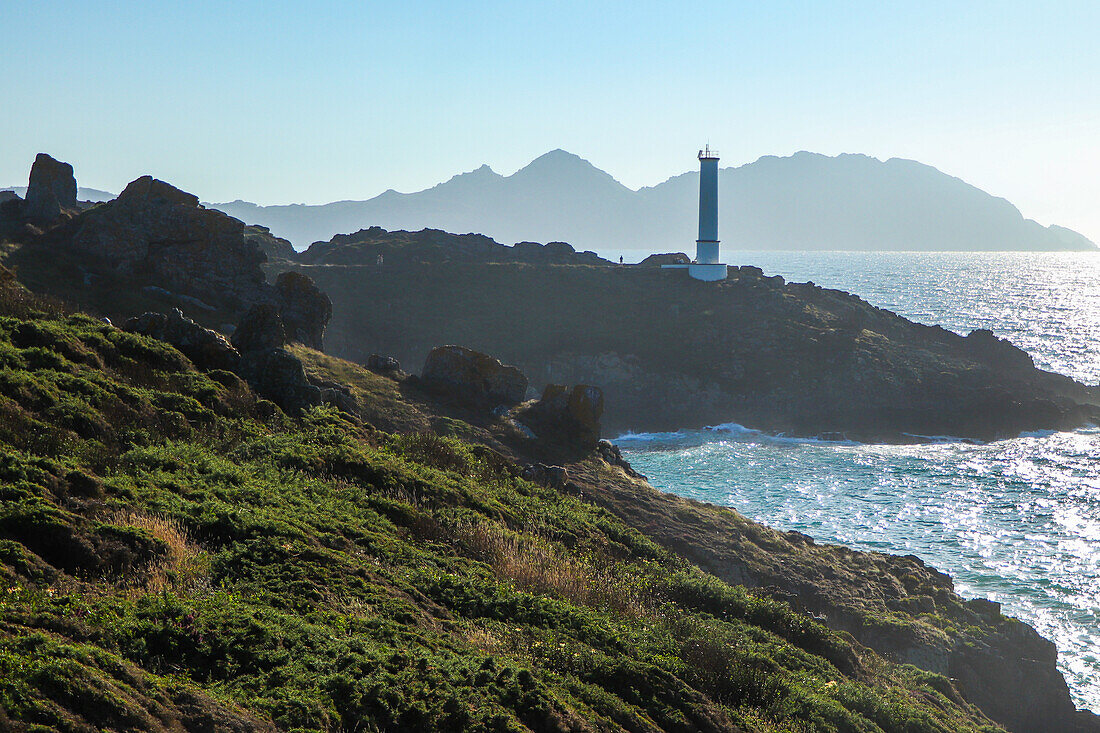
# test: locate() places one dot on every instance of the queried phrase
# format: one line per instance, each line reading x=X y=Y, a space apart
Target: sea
x=1016 y=521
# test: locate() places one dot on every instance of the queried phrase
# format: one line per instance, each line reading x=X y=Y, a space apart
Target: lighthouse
x=706 y=265
x=706 y=246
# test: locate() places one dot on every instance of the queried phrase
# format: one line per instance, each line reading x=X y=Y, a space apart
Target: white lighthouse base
x=710 y=273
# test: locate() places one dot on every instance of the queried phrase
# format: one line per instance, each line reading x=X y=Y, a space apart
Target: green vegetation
x=173 y=551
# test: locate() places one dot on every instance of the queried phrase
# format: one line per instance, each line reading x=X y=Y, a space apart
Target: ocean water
x=1016 y=521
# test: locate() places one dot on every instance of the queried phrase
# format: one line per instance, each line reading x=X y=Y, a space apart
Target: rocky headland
x=671 y=352
x=224 y=528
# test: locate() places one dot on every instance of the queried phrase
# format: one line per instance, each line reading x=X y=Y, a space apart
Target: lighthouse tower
x=706 y=247
x=706 y=265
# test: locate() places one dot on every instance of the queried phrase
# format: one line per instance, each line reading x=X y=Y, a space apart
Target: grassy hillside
x=179 y=555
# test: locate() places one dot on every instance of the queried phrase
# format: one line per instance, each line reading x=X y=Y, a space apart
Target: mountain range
x=803 y=201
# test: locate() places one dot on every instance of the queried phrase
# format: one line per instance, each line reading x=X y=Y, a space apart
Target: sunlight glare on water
x=1016 y=521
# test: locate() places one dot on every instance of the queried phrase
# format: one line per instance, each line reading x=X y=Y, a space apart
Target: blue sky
x=312 y=102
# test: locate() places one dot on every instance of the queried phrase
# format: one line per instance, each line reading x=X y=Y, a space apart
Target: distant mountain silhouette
x=82 y=194
x=804 y=201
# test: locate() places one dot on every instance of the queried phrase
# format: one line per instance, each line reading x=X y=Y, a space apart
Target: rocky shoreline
x=570 y=351
x=672 y=353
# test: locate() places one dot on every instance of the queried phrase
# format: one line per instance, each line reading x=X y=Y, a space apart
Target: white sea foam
x=1015 y=520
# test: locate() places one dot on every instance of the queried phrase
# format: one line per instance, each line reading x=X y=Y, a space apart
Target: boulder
x=304 y=308
x=611 y=454
x=261 y=328
x=473 y=377
x=162 y=234
x=207 y=349
x=666 y=258
x=277 y=375
x=11 y=209
x=540 y=473
x=567 y=414
x=383 y=364
x=50 y=191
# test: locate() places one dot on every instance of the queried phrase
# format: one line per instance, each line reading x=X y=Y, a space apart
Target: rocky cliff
x=671 y=352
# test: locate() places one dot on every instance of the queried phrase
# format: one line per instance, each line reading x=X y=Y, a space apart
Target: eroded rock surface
x=473 y=377
x=157 y=232
x=569 y=414
x=670 y=352
x=50 y=191
x=304 y=309
x=206 y=348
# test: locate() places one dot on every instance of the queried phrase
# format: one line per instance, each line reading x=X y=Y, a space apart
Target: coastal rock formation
x=276 y=248
x=366 y=246
x=383 y=364
x=206 y=348
x=304 y=309
x=473 y=377
x=570 y=414
x=256 y=353
x=270 y=369
x=670 y=352
x=50 y=191
x=260 y=329
x=156 y=231
x=668 y=258
x=152 y=240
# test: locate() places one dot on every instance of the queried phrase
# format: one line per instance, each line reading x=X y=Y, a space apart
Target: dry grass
x=537 y=566
x=184 y=564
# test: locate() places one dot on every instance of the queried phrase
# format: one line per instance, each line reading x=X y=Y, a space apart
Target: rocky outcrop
x=207 y=349
x=997 y=351
x=276 y=248
x=50 y=192
x=384 y=364
x=376 y=246
x=256 y=353
x=278 y=375
x=272 y=371
x=666 y=258
x=567 y=414
x=275 y=373
x=554 y=476
x=670 y=352
x=304 y=309
x=158 y=239
x=157 y=232
x=259 y=330
x=473 y=377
